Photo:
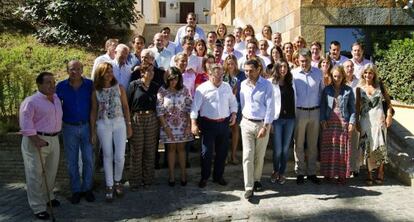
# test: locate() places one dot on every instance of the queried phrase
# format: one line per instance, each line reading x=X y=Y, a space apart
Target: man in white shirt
x=251 y=54
x=192 y=21
x=162 y=56
x=239 y=44
x=258 y=110
x=229 y=47
x=316 y=48
x=110 y=46
x=309 y=84
x=194 y=62
x=352 y=81
x=358 y=59
x=168 y=45
x=217 y=106
x=122 y=70
x=335 y=54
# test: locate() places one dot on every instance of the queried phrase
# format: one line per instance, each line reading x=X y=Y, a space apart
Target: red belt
x=214 y=120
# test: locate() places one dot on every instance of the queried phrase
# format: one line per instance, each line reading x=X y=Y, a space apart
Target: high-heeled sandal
x=379 y=181
x=119 y=191
x=109 y=194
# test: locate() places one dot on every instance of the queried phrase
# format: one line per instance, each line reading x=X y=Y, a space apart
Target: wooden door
x=185 y=8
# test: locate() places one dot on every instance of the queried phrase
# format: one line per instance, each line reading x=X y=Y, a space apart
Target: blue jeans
x=283 y=131
x=76 y=138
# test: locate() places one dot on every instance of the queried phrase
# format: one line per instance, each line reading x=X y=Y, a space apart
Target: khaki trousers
x=307 y=124
x=253 y=152
x=36 y=188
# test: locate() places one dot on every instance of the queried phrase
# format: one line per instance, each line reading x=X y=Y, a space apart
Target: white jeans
x=112 y=132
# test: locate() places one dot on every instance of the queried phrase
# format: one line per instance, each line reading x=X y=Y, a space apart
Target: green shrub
x=77 y=21
x=396 y=69
x=21 y=59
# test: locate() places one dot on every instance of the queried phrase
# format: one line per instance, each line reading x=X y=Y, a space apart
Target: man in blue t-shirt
x=75 y=94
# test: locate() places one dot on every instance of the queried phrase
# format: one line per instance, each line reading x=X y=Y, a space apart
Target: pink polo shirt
x=38 y=114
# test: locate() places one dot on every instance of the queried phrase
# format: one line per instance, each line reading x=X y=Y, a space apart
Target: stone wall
x=12 y=168
x=309 y=17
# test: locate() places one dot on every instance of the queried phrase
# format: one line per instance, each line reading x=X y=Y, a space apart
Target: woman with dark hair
x=325 y=66
x=173 y=110
x=233 y=76
x=208 y=60
x=200 y=48
x=337 y=118
x=284 y=120
x=288 y=52
x=276 y=55
x=142 y=99
x=373 y=121
x=110 y=120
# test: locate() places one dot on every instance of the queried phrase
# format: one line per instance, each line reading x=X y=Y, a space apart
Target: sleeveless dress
x=373 y=129
x=335 y=146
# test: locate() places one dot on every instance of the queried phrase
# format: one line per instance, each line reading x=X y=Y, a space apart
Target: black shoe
x=220 y=181
x=257 y=186
x=355 y=173
x=248 y=194
x=89 y=196
x=171 y=183
x=314 y=179
x=187 y=165
x=202 y=183
x=300 y=179
x=75 y=198
x=42 y=215
x=54 y=202
x=183 y=183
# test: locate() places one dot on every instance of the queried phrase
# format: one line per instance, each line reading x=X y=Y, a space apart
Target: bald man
x=161 y=55
x=75 y=94
x=122 y=70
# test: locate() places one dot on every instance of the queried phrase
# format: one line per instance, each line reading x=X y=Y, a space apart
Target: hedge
x=21 y=59
x=396 y=69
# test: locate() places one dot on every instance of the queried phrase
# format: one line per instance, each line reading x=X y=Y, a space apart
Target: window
x=163 y=9
x=371 y=36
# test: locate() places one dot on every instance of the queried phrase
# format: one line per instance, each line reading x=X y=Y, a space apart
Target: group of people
x=207 y=86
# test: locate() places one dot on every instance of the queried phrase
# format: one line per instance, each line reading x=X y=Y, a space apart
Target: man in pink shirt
x=40 y=119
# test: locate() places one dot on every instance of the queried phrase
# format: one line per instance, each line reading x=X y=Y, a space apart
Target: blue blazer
x=346 y=100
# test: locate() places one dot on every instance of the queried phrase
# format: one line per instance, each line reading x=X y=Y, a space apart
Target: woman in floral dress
x=173 y=110
x=373 y=122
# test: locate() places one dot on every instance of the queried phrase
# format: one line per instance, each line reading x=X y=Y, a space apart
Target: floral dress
x=175 y=107
x=373 y=129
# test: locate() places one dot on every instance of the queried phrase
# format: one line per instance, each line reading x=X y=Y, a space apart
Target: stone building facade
x=310 y=18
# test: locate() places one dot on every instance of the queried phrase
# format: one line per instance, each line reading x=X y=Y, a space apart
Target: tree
x=77 y=21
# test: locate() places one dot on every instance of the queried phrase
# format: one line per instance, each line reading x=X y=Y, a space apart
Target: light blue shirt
x=122 y=73
x=257 y=101
x=163 y=58
x=309 y=87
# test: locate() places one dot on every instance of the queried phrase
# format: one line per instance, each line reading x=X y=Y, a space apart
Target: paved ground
x=290 y=202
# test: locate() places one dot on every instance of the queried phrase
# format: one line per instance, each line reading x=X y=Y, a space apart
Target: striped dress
x=335 y=147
